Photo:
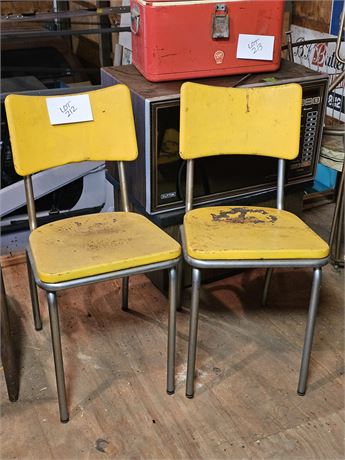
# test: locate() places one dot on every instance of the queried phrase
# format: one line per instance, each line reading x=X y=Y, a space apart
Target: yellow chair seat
x=250 y=233
x=98 y=243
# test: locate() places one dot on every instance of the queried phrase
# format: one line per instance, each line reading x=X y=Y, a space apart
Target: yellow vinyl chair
x=252 y=121
x=97 y=247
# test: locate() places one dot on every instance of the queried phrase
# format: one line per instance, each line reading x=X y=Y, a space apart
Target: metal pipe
x=193 y=332
x=259 y=263
x=336 y=82
x=57 y=352
x=55 y=33
x=171 y=331
x=267 y=282
x=289 y=45
x=337 y=211
x=56 y=10
x=125 y=282
x=123 y=186
x=334 y=131
x=309 y=332
x=189 y=184
x=102 y=277
x=34 y=296
x=280 y=183
x=30 y=201
x=341 y=31
x=337 y=260
x=36 y=17
x=314 y=41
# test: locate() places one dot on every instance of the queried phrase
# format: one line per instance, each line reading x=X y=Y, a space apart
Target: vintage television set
x=158 y=176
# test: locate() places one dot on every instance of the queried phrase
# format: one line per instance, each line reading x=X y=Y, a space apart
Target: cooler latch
x=220 y=22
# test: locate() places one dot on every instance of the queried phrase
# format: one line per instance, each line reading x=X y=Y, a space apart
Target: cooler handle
x=135 y=20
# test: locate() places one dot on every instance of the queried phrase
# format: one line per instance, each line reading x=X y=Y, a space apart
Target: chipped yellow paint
x=98 y=243
x=250 y=233
x=37 y=145
x=249 y=121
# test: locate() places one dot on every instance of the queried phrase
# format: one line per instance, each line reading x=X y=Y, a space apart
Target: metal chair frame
x=52 y=288
x=197 y=265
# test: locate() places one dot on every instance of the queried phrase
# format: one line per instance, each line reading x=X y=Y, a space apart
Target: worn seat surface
x=230 y=233
x=98 y=243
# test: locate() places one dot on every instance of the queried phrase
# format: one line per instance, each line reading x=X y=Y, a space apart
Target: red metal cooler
x=173 y=40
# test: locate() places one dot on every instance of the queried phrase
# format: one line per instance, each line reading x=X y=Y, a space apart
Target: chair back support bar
x=123 y=187
x=280 y=183
x=190 y=182
x=30 y=202
x=189 y=185
x=30 y=197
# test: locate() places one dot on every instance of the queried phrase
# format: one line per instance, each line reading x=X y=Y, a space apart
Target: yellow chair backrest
x=248 y=121
x=38 y=145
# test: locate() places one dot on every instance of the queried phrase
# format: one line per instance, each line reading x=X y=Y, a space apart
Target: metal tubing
x=172 y=331
x=337 y=249
x=336 y=82
x=102 y=277
x=309 y=332
x=189 y=185
x=337 y=211
x=193 y=332
x=125 y=293
x=179 y=285
x=123 y=186
x=280 y=183
x=289 y=45
x=339 y=39
x=36 y=17
x=58 y=361
x=14 y=35
x=268 y=277
x=34 y=296
x=179 y=274
x=30 y=201
x=310 y=42
x=334 y=131
x=260 y=263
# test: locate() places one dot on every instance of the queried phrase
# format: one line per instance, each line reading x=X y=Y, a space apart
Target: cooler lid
x=180 y=2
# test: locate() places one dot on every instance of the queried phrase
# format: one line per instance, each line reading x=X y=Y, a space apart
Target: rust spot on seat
x=240 y=216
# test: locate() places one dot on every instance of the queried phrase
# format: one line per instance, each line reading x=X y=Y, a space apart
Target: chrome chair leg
x=58 y=361
x=338 y=261
x=34 y=296
x=267 y=282
x=193 y=332
x=309 y=332
x=179 y=285
x=172 y=331
x=125 y=293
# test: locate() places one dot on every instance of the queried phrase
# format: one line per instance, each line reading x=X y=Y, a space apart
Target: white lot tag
x=255 y=47
x=69 y=109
